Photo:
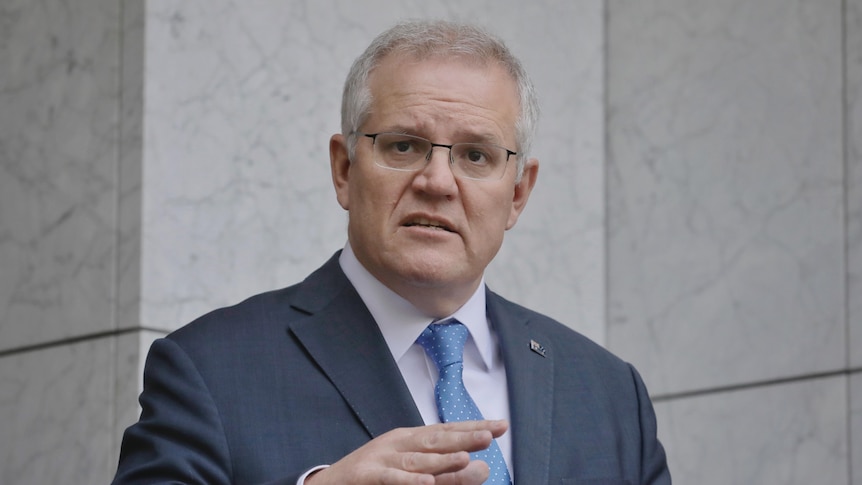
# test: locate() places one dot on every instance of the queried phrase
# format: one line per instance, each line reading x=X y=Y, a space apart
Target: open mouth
x=429 y=224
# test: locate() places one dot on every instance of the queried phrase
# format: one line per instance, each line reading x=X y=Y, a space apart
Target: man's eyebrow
x=478 y=137
x=460 y=136
x=400 y=129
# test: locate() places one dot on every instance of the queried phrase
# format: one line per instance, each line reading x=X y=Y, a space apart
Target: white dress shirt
x=401 y=324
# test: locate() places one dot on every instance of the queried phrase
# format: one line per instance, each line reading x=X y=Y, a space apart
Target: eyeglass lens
x=407 y=152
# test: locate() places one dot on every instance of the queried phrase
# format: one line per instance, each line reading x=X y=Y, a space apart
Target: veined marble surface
x=59 y=104
x=781 y=434
x=59 y=414
x=856 y=428
x=726 y=190
x=853 y=23
x=162 y=158
x=129 y=171
x=241 y=99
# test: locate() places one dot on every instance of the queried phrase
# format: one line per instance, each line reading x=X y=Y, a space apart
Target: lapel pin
x=537 y=348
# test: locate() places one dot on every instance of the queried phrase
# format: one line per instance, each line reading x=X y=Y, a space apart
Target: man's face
x=428 y=235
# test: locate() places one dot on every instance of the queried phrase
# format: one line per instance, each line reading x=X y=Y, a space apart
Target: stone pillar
x=733 y=212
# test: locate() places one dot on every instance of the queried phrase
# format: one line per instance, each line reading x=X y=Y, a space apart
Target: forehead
x=458 y=94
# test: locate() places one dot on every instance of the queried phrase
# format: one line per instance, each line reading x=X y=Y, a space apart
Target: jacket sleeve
x=654 y=469
x=179 y=438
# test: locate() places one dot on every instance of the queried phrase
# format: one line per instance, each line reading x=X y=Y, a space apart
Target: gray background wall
x=699 y=206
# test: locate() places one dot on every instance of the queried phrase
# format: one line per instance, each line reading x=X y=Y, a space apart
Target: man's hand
x=437 y=454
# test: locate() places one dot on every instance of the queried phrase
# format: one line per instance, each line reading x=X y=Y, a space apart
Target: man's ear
x=339 y=163
x=522 y=191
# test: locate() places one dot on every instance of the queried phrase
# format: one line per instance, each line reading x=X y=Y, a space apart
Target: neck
x=432 y=297
x=436 y=302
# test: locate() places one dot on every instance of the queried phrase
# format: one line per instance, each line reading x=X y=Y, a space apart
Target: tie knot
x=444 y=342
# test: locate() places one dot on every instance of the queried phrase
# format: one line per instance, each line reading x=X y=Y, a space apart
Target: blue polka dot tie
x=444 y=343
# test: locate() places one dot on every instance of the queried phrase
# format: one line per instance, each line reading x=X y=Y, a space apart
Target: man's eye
x=402 y=146
x=476 y=156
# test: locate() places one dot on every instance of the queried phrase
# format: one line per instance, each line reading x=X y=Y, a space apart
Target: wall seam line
x=674 y=396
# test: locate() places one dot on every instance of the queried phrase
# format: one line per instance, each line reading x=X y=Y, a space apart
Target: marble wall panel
x=56 y=414
x=853 y=25
x=856 y=428
x=63 y=409
x=241 y=98
x=58 y=150
x=792 y=433
x=129 y=190
x=725 y=190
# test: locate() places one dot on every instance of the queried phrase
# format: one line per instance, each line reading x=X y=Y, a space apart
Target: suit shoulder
x=258 y=310
x=257 y=318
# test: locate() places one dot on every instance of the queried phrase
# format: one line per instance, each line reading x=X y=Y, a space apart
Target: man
x=341 y=378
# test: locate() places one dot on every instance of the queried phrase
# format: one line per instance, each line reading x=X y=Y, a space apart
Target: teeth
x=427 y=223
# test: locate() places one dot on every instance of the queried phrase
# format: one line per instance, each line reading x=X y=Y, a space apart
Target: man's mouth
x=428 y=223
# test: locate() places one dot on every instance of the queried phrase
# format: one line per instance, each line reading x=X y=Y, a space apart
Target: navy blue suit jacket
x=286 y=380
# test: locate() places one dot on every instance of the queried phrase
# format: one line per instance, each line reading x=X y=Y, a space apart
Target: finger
x=433 y=463
x=452 y=437
x=397 y=477
x=496 y=427
x=365 y=473
x=474 y=474
x=436 y=440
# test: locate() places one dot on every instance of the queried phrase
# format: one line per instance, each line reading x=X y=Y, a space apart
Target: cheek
x=373 y=200
x=490 y=213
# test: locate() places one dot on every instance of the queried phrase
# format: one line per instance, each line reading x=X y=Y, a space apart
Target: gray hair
x=426 y=39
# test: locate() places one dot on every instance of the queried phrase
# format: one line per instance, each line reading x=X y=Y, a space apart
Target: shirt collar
x=401 y=323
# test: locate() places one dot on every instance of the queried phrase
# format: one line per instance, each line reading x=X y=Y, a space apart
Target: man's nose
x=437 y=176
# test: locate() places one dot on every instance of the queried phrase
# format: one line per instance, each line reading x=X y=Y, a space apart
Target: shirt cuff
x=301 y=480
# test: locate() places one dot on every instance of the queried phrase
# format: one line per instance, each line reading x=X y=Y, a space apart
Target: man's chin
x=442 y=277
x=430 y=266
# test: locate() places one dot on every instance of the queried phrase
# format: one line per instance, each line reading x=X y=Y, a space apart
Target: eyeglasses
x=408 y=153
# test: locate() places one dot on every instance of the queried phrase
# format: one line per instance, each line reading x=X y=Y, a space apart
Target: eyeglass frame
x=427 y=156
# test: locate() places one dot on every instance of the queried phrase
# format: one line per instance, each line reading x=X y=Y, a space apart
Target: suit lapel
x=530 y=377
x=343 y=338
